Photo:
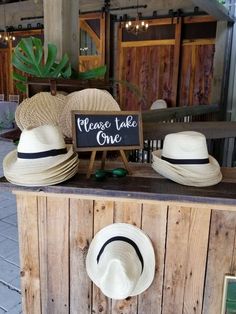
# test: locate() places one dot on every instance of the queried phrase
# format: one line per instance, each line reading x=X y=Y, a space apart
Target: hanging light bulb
x=137 y=26
x=6 y=36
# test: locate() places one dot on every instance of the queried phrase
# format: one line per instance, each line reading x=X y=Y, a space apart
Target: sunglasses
x=101 y=174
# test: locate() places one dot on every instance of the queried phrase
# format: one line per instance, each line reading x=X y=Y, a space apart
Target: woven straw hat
x=185 y=160
x=41 y=158
x=121 y=261
x=40 y=109
x=159 y=104
x=90 y=99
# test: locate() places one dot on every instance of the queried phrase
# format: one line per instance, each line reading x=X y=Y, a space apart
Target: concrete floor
x=10 y=295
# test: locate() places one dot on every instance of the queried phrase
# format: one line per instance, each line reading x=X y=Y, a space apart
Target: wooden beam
x=176 y=63
x=143 y=43
x=214 y=8
x=211 y=129
x=177 y=113
x=219 y=61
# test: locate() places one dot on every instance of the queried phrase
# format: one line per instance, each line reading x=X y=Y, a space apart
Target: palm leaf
x=19 y=77
x=21 y=87
x=93 y=73
x=60 y=66
x=52 y=53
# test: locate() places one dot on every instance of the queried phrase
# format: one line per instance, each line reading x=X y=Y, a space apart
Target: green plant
x=28 y=58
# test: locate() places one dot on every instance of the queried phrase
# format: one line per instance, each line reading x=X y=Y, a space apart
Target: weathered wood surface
x=158 y=115
x=80 y=236
x=143 y=184
x=221 y=255
x=29 y=253
x=211 y=129
x=55 y=233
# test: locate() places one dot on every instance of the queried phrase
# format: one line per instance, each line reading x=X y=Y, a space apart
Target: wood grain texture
x=137 y=69
x=154 y=221
x=103 y=216
x=127 y=212
x=196 y=260
x=175 y=263
x=81 y=232
x=220 y=258
x=29 y=253
x=43 y=251
x=58 y=255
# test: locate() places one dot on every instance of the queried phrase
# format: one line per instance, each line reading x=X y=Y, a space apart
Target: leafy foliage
x=28 y=58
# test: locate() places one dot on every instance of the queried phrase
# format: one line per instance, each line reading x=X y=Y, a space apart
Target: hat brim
x=135 y=234
x=17 y=166
x=44 y=181
x=191 y=174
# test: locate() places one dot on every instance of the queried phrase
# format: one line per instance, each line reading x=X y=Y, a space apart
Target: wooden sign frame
x=111 y=147
x=108 y=113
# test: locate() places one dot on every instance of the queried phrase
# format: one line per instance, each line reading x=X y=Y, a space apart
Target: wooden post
x=61 y=27
x=177 y=55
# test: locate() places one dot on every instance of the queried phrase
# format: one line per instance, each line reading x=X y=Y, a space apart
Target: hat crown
x=121 y=269
x=40 y=139
x=185 y=145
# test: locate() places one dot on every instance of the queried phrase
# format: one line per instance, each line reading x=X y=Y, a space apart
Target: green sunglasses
x=101 y=174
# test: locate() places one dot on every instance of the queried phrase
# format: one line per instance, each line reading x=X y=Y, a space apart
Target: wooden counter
x=193 y=231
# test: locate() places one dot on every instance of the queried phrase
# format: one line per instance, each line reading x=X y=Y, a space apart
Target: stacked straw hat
x=42 y=108
x=121 y=261
x=185 y=160
x=90 y=99
x=42 y=158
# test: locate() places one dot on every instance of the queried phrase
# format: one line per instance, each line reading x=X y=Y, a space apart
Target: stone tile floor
x=10 y=295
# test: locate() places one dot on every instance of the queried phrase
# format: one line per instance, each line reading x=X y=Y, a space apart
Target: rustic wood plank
x=144 y=43
x=43 y=251
x=219 y=61
x=176 y=63
x=192 y=75
x=81 y=232
x=103 y=216
x=211 y=129
x=158 y=115
x=29 y=253
x=197 y=42
x=127 y=212
x=220 y=257
x=199 y=19
x=196 y=260
x=176 y=261
x=58 y=254
x=154 y=220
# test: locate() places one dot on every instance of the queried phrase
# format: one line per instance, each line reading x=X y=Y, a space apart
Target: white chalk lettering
x=104 y=139
x=87 y=126
x=128 y=123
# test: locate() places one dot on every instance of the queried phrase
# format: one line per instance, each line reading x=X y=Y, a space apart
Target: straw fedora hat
x=159 y=104
x=42 y=108
x=185 y=160
x=41 y=158
x=121 y=261
x=90 y=99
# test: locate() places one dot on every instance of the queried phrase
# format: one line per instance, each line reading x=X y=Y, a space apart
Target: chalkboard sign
x=106 y=130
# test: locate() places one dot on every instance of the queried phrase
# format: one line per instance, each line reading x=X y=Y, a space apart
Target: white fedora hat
x=41 y=158
x=185 y=160
x=159 y=104
x=121 y=261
